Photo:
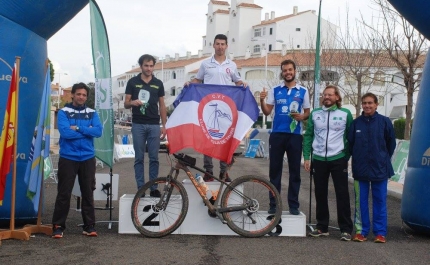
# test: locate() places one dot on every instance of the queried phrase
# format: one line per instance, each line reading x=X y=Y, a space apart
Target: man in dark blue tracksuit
x=372 y=143
x=78 y=126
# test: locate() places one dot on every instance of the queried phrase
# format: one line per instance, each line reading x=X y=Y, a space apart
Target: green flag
x=103 y=84
x=317 y=74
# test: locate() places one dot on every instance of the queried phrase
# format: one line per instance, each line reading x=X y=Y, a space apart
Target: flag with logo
x=212 y=119
x=39 y=146
x=7 y=136
x=103 y=84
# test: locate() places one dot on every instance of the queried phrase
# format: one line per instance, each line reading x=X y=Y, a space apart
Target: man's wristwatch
x=77 y=128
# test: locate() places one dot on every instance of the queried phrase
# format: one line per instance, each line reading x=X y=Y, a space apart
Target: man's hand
x=162 y=132
x=136 y=103
x=307 y=165
x=73 y=127
x=263 y=94
x=297 y=116
x=187 y=84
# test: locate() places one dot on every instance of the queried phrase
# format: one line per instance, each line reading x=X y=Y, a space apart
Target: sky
x=160 y=27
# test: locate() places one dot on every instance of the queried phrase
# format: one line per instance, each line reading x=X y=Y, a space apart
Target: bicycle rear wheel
x=252 y=191
x=152 y=219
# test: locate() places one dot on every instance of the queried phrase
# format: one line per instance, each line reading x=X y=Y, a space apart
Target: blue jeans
x=143 y=135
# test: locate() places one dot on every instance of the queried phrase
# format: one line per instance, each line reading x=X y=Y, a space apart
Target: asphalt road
x=403 y=245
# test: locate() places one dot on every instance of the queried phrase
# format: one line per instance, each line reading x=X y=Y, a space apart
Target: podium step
x=198 y=222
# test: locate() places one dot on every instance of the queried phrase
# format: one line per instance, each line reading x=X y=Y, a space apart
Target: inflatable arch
x=416 y=195
x=25 y=27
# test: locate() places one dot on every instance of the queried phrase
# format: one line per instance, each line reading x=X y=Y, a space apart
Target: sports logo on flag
x=218 y=117
x=211 y=119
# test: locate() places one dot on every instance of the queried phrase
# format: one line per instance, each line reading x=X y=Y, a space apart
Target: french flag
x=211 y=119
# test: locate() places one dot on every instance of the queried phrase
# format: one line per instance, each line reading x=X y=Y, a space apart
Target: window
x=174 y=75
x=350 y=79
x=271 y=31
x=257 y=97
x=298 y=46
x=270 y=47
x=259 y=75
x=172 y=91
x=379 y=79
x=329 y=76
x=381 y=100
x=264 y=31
x=365 y=78
x=257 y=32
x=257 y=48
x=349 y=100
x=297 y=29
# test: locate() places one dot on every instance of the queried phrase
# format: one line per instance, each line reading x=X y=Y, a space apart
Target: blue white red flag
x=39 y=146
x=211 y=119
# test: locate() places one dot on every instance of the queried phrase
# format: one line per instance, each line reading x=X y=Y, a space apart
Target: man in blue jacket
x=372 y=143
x=78 y=125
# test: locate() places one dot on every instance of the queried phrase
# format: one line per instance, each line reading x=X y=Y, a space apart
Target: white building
x=242 y=23
x=258 y=47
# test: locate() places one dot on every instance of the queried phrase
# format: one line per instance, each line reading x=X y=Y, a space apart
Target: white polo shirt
x=211 y=72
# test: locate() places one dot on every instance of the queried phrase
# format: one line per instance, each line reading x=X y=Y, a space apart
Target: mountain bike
x=242 y=204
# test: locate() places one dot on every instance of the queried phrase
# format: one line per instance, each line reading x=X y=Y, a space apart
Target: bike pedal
x=211 y=214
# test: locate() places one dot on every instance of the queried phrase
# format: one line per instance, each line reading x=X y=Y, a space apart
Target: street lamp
x=265 y=68
x=59 y=89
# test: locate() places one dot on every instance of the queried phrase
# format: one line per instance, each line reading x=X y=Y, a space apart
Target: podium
x=198 y=222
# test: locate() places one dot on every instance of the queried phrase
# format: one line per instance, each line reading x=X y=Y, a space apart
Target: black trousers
x=338 y=169
x=67 y=171
x=281 y=143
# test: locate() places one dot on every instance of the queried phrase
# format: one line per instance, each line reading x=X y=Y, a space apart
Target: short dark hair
x=370 y=95
x=145 y=58
x=80 y=86
x=288 y=61
x=221 y=37
x=337 y=93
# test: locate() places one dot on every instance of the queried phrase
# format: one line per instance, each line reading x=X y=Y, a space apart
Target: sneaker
x=294 y=211
x=271 y=210
x=207 y=177
x=318 y=233
x=345 y=236
x=155 y=193
x=89 y=230
x=57 y=231
x=227 y=177
x=380 y=239
x=359 y=238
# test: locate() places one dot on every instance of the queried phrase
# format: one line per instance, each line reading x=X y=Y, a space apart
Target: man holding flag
x=217 y=70
x=78 y=126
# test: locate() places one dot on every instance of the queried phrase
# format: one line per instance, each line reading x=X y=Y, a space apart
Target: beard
x=290 y=80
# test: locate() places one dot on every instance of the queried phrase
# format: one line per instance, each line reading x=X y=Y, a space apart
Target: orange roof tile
x=330 y=58
x=222 y=3
x=172 y=64
x=276 y=19
x=219 y=11
x=249 y=5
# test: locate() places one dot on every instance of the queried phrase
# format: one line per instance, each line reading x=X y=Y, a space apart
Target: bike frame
x=213 y=208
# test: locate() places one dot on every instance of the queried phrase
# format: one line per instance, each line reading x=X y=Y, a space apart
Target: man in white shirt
x=217 y=70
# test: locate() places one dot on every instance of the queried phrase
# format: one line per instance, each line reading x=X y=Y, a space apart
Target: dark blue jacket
x=78 y=145
x=372 y=143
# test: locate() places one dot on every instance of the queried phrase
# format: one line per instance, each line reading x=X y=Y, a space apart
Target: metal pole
x=267 y=51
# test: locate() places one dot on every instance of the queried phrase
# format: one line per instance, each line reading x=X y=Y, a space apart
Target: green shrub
x=399 y=128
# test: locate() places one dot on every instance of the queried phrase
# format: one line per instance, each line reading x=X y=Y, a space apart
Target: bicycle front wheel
x=252 y=192
x=158 y=217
